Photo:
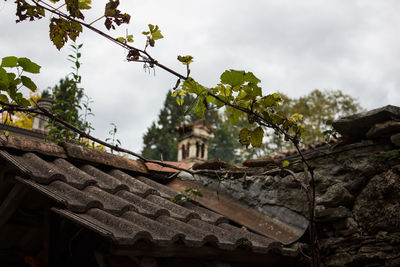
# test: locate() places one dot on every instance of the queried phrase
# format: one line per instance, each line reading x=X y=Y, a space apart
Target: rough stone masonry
x=357 y=191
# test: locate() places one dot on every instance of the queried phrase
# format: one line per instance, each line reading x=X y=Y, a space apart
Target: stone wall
x=357 y=193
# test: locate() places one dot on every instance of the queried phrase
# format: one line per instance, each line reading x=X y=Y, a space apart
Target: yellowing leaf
x=179 y=101
x=244 y=137
x=186 y=60
x=256 y=137
x=285 y=163
x=61 y=29
x=121 y=39
x=85 y=4
x=129 y=38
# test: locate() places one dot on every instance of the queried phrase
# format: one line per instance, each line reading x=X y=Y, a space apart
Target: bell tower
x=193 y=141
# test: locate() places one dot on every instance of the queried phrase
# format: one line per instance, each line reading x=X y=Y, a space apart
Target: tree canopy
x=161 y=140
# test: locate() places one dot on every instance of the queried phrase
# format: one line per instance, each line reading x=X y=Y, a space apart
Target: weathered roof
x=123 y=206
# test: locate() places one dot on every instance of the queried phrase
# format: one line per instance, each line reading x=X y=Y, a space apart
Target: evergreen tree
x=161 y=141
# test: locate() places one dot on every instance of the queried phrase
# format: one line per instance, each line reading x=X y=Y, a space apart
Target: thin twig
x=41 y=111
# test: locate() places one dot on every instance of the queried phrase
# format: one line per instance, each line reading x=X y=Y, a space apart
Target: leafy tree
x=22 y=119
x=160 y=140
x=318 y=109
x=67 y=100
x=224 y=143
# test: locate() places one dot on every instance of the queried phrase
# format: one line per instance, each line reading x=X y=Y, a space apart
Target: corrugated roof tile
x=40 y=170
x=160 y=233
x=225 y=238
x=111 y=203
x=205 y=214
x=163 y=190
x=75 y=176
x=192 y=236
x=127 y=208
x=104 y=181
x=175 y=210
x=145 y=207
x=135 y=185
x=74 y=199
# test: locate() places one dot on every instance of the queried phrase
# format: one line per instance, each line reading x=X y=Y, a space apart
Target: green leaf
x=24 y=102
x=193 y=106
x=200 y=108
x=9 y=62
x=179 y=101
x=151 y=27
x=234 y=114
x=28 y=66
x=251 y=78
x=85 y=4
x=4 y=81
x=27 y=82
x=271 y=100
x=186 y=60
x=191 y=86
x=256 y=137
x=129 y=38
x=4 y=98
x=233 y=77
x=156 y=35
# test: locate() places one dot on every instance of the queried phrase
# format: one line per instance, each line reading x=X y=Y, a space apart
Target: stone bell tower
x=193 y=141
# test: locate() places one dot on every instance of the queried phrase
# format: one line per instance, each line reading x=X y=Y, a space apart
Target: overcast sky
x=292 y=46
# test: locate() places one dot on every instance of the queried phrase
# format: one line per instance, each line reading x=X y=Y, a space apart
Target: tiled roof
x=125 y=206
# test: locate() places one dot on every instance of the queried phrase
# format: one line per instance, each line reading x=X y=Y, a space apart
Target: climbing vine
x=238 y=91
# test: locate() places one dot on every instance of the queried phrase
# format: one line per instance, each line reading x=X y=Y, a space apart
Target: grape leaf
x=9 y=62
x=28 y=66
x=27 y=82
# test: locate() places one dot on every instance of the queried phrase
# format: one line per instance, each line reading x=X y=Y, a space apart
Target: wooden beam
x=12 y=201
x=143 y=249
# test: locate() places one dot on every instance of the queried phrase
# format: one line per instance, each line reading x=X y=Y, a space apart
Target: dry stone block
x=378 y=206
x=395 y=139
x=354 y=127
x=381 y=129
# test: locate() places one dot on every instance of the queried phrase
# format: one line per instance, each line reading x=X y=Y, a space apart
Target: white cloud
x=292 y=46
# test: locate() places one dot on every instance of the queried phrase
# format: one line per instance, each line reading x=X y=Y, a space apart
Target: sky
x=292 y=46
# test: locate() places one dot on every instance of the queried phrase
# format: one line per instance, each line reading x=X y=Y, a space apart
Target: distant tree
x=67 y=101
x=224 y=143
x=160 y=141
x=66 y=97
x=317 y=108
x=21 y=119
